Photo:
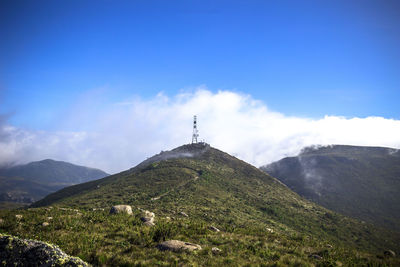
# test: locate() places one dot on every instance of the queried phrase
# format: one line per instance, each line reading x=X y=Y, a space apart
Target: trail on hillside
x=179 y=186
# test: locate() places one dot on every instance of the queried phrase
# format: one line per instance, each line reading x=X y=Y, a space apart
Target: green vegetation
x=362 y=182
x=99 y=238
x=262 y=222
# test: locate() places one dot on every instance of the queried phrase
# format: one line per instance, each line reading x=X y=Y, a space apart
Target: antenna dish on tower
x=195 y=131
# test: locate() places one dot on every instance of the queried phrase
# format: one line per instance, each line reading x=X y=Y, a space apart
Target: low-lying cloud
x=120 y=135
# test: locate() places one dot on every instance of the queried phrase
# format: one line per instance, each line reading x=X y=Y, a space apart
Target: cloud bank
x=120 y=135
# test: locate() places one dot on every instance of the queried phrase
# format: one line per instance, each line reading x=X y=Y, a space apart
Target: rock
x=44 y=224
x=49 y=218
x=183 y=214
x=18 y=216
x=329 y=246
x=176 y=245
x=121 y=209
x=215 y=250
x=315 y=256
x=148 y=218
x=213 y=228
x=101 y=209
x=148 y=223
x=270 y=230
x=25 y=252
x=389 y=253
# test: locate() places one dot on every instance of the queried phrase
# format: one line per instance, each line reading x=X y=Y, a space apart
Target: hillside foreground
x=193 y=190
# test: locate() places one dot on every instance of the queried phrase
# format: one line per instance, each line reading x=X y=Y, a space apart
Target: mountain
x=362 y=182
x=190 y=189
x=32 y=181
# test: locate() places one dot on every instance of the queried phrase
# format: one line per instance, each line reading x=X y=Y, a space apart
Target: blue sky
x=109 y=83
x=301 y=58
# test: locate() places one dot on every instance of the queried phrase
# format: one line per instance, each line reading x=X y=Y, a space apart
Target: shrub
x=163 y=231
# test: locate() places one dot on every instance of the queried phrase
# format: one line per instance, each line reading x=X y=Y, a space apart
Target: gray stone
x=389 y=253
x=213 y=228
x=25 y=252
x=315 y=256
x=183 y=214
x=149 y=223
x=215 y=250
x=148 y=218
x=121 y=209
x=176 y=245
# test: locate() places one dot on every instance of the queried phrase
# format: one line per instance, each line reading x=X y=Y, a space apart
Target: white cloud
x=121 y=135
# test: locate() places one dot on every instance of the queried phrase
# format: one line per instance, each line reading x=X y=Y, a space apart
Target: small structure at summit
x=195 y=131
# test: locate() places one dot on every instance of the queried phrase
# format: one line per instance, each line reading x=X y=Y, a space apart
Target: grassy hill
x=362 y=182
x=262 y=222
x=30 y=182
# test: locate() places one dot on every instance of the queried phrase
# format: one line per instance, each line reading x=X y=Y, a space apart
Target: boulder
x=213 y=228
x=148 y=218
x=389 y=253
x=25 y=252
x=315 y=256
x=183 y=214
x=121 y=209
x=176 y=245
x=149 y=223
x=215 y=250
x=44 y=224
x=94 y=209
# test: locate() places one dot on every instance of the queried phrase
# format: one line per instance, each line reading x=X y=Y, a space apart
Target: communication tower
x=195 y=131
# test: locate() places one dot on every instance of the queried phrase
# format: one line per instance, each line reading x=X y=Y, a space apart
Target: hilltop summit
x=185 y=151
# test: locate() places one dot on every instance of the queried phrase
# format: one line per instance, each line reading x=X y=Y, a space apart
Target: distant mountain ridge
x=362 y=182
x=33 y=181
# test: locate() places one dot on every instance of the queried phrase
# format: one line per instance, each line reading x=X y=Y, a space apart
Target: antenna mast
x=195 y=131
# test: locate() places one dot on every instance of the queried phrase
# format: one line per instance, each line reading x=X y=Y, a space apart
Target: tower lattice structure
x=195 y=131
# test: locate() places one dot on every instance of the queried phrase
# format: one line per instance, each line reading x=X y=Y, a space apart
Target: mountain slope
x=214 y=187
x=33 y=181
x=362 y=182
